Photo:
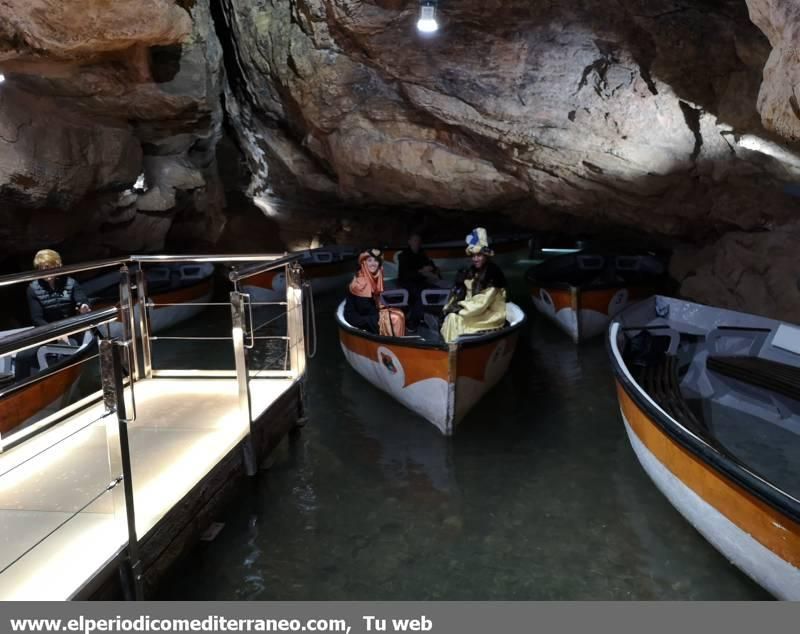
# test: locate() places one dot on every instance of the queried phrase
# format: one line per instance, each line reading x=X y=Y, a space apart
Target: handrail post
x=294 y=319
x=242 y=376
x=120 y=463
x=144 y=322
x=128 y=321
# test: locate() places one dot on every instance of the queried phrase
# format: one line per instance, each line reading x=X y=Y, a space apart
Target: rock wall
x=757 y=272
x=108 y=125
x=677 y=119
x=630 y=113
x=778 y=99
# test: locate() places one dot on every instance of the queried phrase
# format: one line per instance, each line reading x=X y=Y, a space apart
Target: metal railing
x=127 y=357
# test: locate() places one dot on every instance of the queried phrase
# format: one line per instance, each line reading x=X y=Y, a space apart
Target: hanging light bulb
x=427 y=18
x=2 y=78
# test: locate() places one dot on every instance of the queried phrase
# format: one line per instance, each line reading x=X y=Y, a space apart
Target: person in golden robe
x=477 y=302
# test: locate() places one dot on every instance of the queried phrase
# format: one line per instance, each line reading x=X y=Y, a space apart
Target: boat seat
x=61 y=349
x=771 y=375
x=191 y=272
x=395 y=298
x=434 y=296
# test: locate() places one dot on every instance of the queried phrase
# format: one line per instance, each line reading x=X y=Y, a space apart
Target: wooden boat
x=24 y=402
x=327 y=270
x=439 y=382
x=181 y=289
x=710 y=399
x=450 y=256
x=582 y=291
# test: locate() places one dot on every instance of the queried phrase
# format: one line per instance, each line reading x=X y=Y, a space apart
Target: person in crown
x=477 y=302
x=363 y=308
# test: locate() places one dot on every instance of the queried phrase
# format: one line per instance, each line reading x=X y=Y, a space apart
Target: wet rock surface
x=95 y=98
x=671 y=119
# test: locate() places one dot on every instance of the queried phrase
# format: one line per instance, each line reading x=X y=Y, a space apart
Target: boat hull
x=452 y=258
x=714 y=445
x=584 y=314
x=270 y=286
x=755 y=537
x=190 y=298
x=38 y=400
x=439 y=383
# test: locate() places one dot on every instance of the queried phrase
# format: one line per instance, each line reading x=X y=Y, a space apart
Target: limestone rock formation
x=751 y=272
x=95 y=97
x=779 y=97
x=569 y=114
x=626 y=113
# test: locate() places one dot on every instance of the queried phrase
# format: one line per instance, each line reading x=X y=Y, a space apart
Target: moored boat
x=449 y=256
x=29 y=399
x=439 y=382
x=582 y=291
x=710 y=399
x=177 y=292
x=327 y=269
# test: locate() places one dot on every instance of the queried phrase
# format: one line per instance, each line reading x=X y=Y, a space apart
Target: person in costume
x=478 y=300
x=363 y=308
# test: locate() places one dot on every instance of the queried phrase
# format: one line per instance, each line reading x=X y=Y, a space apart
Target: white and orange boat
x=710 y=399
x=440 y=382
x=327 y=269
x=449 y=256
x=177 y=292
x=582 y=291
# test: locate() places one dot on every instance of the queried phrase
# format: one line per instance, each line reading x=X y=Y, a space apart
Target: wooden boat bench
x=771 y=375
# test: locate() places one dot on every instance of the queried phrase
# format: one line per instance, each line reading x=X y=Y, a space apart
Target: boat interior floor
x=428 y=330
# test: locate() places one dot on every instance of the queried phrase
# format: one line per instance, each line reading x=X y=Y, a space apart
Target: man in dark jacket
x=416 y=272
x=49 y=299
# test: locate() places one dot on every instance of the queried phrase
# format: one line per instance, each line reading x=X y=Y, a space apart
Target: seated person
x=49 y=299
x=478 y=300
x=363 y=308
x=416 y=272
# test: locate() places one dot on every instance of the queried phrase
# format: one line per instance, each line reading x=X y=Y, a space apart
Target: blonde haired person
x=54 y=298
x=49 y=299
x=477 y=302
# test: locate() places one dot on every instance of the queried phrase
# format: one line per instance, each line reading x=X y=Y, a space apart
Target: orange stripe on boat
x=178 y=296
x=330 y=269
x=418 y=363
x=21 y=405
x=263 y=280
x=473 y=361
x=562 y=298
x=182 y=295
x=598 y=299
x=765 y=524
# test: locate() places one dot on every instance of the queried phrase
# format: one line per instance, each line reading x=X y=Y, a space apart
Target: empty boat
x=710 y=399
x=582 y=291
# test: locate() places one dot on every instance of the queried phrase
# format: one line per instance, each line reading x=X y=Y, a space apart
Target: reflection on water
x=539 y=496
